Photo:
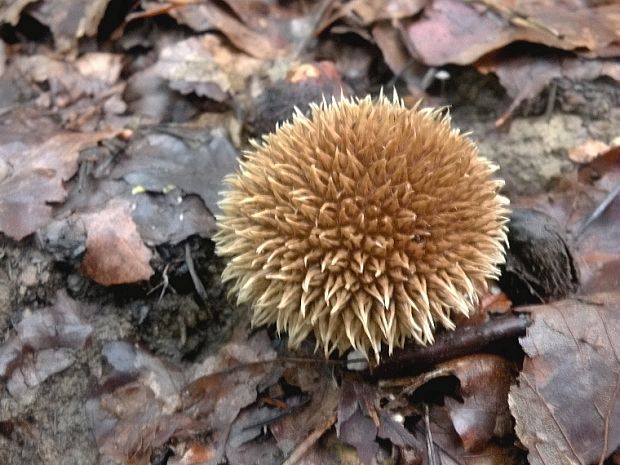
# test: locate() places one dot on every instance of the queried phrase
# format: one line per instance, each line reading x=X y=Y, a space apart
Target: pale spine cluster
x=365 y=224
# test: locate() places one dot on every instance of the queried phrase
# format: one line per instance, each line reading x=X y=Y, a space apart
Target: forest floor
x=53 y=379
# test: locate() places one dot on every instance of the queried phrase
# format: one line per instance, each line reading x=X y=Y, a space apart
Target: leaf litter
x=571 y=370
x=44 y=343
x=118 y=127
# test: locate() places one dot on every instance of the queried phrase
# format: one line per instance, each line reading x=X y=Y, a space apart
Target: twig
x=553 y=92
x=164 y=284
x=316 y=18
x=598 y=211
x=430 y=444
x=307 y=443
x=200 y=289
x=462 y=341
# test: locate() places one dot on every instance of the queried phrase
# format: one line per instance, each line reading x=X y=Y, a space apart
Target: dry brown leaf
x=149 y=401
x=90 y=75
x=365 y=12
x=115 y=253
x=105 y=67
x=262 y=29
x=567 y=401
x=325 y=394
x=207 y=67
x=453 y=31
x=33 y=168
x=588 y=151
x=138 y=410
x=390 y=40
x=358 y=420
x=483 y=412
x=448 y=449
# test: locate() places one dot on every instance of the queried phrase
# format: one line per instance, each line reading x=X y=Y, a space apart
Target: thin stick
x=307 y=443
x=200 y=289
x=598 y=211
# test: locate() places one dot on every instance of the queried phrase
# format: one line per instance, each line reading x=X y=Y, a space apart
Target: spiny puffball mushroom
x=365 y=224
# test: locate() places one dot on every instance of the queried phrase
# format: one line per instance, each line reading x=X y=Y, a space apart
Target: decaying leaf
x=366 y=12
x=448 y=449
x=69 y=20
x=115 y=253
x=148 y=401
x=44 y=344
x=206 y=66
x=91 y=74
x=599 y=236
x=483 y=411
x=360 y=432
x=572 y=371
x=525 y=77
x=461 y=32
x=262 y=29
x=33 y=168
x=291 y=430
x=187 y=158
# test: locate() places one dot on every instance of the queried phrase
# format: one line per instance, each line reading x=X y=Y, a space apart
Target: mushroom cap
x=365 y=224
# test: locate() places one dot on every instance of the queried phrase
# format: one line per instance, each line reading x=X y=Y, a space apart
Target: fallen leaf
x=448 y=449
x=598 y=243
x=147 y=401
x=525 y=77
x=44 y=343
x=251 y=422
x=165 y=219
x=290 y=431
x=138 y=408
x=105 y=67
x=483 y=412
x=115 y=253
x=188 y=158
x=457 y=32
x=70 y=20
x=396 y=55
x=195 y=454
x=33 y=168
x=262 y=29
x=588 y=151
x=364 y=12
x=264 y=452
x=398 y=435
x=207 y=67
x=360 y=432
x=90 y=75
x=572 y=371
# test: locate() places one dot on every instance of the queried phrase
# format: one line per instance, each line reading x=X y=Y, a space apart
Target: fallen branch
x=462 y=341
